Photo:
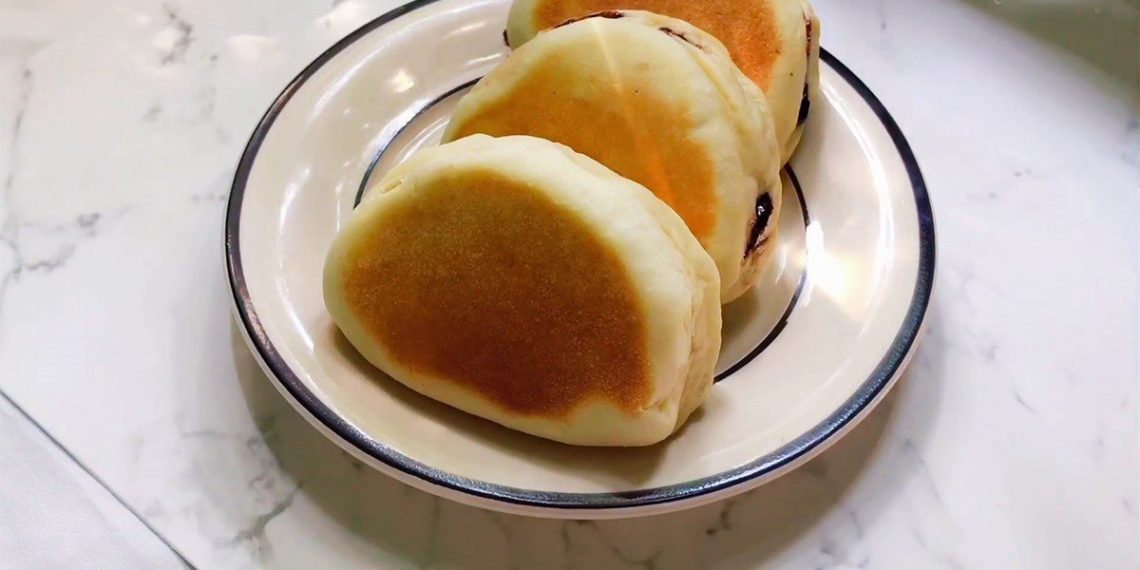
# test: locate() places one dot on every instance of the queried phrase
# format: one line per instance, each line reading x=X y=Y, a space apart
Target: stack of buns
x=558 y=264
x=775 y=43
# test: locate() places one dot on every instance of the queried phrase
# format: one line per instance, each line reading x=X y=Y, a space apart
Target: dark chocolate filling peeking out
x=608 y=14
x=805 y=101
x=764 y=209
x=805 y=106
x=614 y=14
x=680 y=36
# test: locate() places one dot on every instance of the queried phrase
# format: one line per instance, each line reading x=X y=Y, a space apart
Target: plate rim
x=803 y=446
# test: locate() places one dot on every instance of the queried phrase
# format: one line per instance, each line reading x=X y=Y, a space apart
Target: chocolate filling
x=681 y=37
x=608 y=14
x=805 y=101
x=506 y=41
x=805 y=106
x=757 y=236
x=614 y=14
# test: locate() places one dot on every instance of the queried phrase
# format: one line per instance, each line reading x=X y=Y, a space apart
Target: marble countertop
x=135 y=424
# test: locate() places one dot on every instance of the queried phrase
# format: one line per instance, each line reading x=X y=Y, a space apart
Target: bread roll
x=775 y=43
x=517 y=280
x=659 y=102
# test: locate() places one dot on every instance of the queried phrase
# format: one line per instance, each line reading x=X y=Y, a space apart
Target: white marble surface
x=55 y=515
x=1011 y=443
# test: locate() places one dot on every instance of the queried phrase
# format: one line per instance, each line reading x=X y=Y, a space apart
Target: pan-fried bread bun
x=659 y=102
x=774 y=42
x=517 y=280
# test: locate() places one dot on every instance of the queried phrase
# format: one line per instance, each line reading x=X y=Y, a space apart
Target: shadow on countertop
x=811 y=507
x=1103 y=33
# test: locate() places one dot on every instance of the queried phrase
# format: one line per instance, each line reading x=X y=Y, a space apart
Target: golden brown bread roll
x=522 y=282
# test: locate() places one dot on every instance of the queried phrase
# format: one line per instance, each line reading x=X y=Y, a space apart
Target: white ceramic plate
x=806 y=354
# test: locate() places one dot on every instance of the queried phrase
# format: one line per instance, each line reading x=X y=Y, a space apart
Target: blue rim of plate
x=787 y=455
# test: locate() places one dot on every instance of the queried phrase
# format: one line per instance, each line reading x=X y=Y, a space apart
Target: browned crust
x=482 y=281
x=746 y=27
x=626 y=126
